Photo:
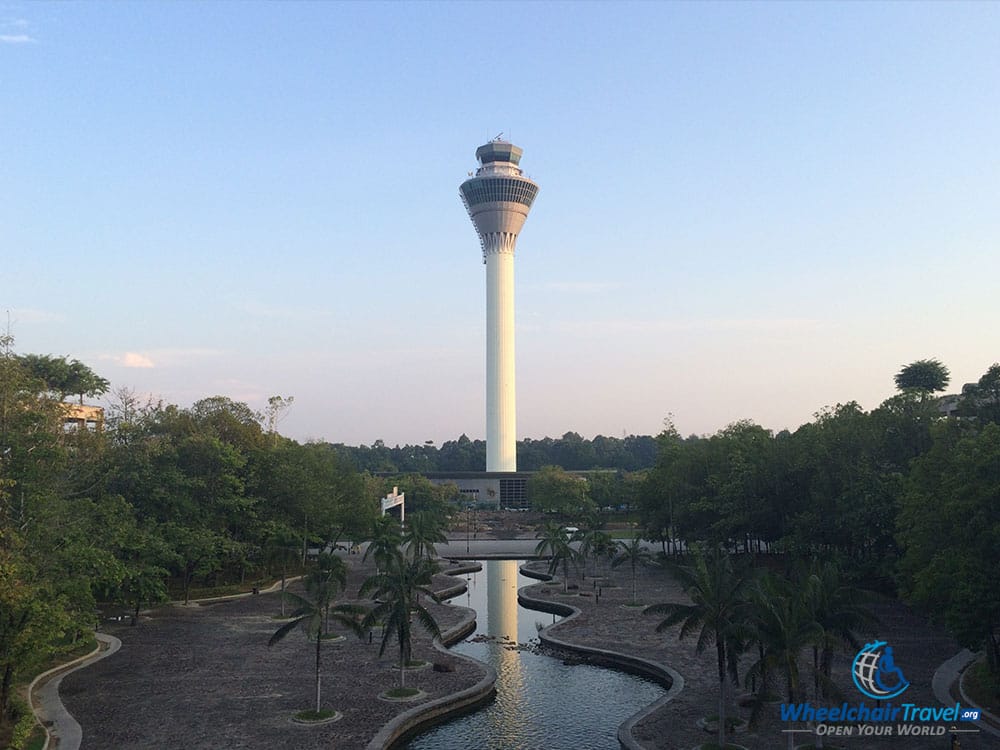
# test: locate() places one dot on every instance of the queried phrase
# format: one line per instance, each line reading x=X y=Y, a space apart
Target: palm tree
x=396 y=590
x=595 y=543
x=717 y=588
x=555 y=544
x=782 y=624
x=281 y=548
x=635 y=554
x=422 y=533
x=311 y=613
x=385 y=540
x=838 y=609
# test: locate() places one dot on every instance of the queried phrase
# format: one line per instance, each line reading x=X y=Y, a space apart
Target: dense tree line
x=571 y=452
x=900 y=498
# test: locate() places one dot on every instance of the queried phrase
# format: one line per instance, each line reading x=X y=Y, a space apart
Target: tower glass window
x=499 y=189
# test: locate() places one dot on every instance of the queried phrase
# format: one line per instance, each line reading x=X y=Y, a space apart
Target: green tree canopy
x=63 y=376
x=553 y=490
x=949 y=525
x=926 y=375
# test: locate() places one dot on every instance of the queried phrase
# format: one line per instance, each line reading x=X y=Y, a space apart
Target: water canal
x=540 y=702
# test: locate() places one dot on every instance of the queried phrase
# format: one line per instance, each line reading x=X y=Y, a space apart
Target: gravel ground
x=204 y=677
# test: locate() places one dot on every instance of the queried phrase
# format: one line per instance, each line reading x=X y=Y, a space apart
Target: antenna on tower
x=499 y=136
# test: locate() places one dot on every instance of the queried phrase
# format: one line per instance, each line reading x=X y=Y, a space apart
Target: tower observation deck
x=498 y=199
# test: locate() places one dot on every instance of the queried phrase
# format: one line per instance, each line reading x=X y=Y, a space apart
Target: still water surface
x=541 y=703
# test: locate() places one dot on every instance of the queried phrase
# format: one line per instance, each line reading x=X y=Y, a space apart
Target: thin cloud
x=14 y=31
x=160 y=357
x=581 y=287
x=131 y=359
x=276 y=312
x=34 y=315
x=621 y=326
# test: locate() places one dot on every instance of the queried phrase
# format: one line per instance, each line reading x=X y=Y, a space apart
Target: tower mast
x=498 y=199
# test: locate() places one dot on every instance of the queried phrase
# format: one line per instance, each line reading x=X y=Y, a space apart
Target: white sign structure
x=394 y=499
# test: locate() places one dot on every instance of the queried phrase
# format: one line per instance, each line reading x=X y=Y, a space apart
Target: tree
x=275 y=412
x=597 y=544
x=838 y=610
x=385 y=541
x=197 y=551
x=555 y=543
x=281 y=549
x=949 y=526
x=144 y=578
x=924 y=375
x=717 y=587
x=396 y=591
x=30 y=618
x=982 y=400
x=64 y=377
x=668 y=504
x=42 y=598
x=553 y=490
x=635 y=554
x=423 y=531
x=314 y=610
x=781 y=623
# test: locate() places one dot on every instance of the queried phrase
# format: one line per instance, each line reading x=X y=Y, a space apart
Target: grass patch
x=64 y=653
x=37 y=741
x=983 y=688
x=401 y=692
x=27 y=733
x=313 y=715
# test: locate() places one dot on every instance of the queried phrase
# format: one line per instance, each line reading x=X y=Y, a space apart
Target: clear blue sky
x=746 y=210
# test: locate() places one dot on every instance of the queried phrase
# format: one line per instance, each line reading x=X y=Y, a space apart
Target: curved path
x=64 y=732
x=948 y=678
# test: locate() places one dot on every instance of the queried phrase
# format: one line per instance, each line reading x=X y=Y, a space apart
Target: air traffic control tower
x=498 y=199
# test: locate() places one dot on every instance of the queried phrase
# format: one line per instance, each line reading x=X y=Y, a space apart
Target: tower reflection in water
x=501 y=626
x=541 y=702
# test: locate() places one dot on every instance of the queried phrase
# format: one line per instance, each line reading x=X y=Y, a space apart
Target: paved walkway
x=946 y=685
x=64 y=731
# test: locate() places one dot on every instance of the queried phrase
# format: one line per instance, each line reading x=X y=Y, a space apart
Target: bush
x=24 y=726
x=983 y=686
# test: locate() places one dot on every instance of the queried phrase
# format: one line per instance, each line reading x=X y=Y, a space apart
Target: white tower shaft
x=501 y=412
